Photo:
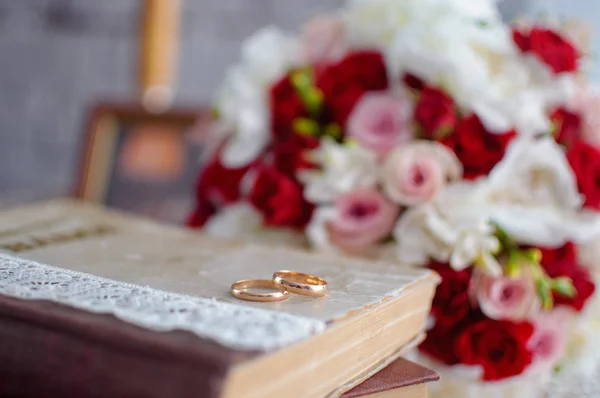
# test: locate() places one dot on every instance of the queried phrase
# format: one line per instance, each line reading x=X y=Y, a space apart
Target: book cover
x=400 y=379
x=141 y=296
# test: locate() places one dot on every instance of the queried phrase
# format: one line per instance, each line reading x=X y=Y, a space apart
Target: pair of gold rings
x=283 y=283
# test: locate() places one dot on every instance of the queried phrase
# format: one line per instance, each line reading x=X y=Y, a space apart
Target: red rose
x=435 y=113
x=413 y=82
x=550 y=47
x=477 y=149
x=585 y=162
x=451 y=303
x=451 y=310
x=499 y=347
x=201 y=214
x=279 y=198
x=203 y=211
x=286 y=106
x=220 y=185
x=568 y=126
x=563 y=261
x=345 y=82
x=290 y=156
x=566 y=253
x=439 y=344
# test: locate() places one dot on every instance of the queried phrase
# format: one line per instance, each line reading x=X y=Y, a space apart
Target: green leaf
x=311 y=96
x=545 y=294
x=215 y=113
x=553 y=129
x=564 y=286
x=503 y=237
x=306 y=127
x=334 y=131
x=534 y=256
x=513 y=265
x=443 y=132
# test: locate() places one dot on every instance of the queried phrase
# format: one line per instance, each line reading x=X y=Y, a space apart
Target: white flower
x=241 y=221
x=236 y=221
x=317 y=232
x=375 y=23
x=532 y=194
x=465 y=47
x=425 y=232
x=477 y=246
x=242 y=102
x=344 y=167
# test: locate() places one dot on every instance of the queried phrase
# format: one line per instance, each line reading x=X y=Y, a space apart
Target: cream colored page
x=114 y=246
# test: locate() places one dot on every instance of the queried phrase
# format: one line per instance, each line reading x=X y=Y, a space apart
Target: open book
x=153 y=303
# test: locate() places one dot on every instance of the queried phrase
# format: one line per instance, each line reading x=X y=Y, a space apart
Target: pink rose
x=549 y=340
x=414 y=173
x=363 y=217
x=323 y=39
x=504 y=298
x=380 y=121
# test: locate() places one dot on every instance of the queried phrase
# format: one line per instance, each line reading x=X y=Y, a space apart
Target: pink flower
x=323 y=39
x=414 y=173
x=549 y=340
x=380 y=121
x=363 y=217
x=505 y=298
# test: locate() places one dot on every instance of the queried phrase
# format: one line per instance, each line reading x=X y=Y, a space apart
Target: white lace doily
x=234 y=326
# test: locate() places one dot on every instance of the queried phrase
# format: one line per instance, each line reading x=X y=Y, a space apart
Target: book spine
x=49 y=350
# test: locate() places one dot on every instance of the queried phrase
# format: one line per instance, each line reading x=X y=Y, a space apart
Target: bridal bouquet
x=430 y=127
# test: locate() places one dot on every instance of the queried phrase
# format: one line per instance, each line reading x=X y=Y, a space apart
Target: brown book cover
x=400 y=379
x=94 y=303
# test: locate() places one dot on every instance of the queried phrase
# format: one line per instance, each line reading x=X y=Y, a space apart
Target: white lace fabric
x=234 y=326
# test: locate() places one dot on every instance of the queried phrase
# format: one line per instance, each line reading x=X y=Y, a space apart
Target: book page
x=124 y=248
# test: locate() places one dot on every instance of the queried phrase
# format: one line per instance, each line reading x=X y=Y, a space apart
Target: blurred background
x=63 y=61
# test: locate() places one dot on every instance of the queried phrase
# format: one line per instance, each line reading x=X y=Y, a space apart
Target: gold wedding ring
x=242 y=290
x=296 y=282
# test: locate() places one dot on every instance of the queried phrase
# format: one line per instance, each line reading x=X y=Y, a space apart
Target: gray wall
x=59 y=56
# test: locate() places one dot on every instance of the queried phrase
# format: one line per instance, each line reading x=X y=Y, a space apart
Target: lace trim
x=237 y=327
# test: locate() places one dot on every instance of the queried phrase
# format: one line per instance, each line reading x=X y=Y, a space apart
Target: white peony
x=480 y=67
x=375 y=23
x=242 y=102
x=344 y=167
x=237 y=221
x=532 y=194
x=426 y=232
x=317 y=232
x=241 y=221
x=465 y=47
